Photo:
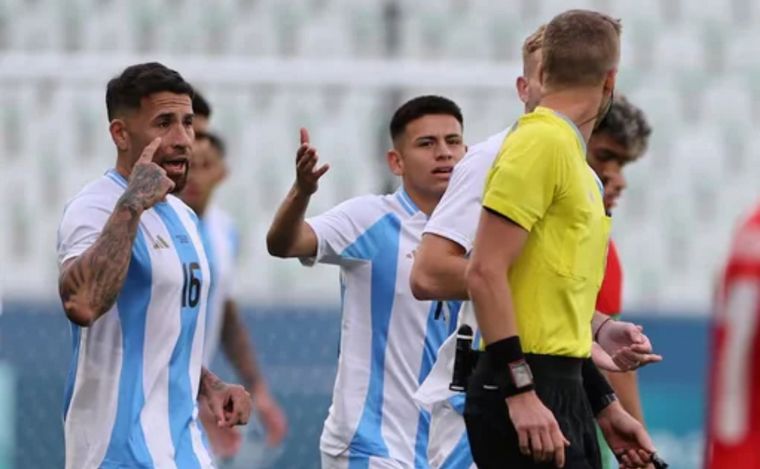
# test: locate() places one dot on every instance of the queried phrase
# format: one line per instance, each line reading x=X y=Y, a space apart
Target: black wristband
x=511 y=371
x=598 y=391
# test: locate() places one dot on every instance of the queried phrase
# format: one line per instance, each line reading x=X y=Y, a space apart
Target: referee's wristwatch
x=522 y=377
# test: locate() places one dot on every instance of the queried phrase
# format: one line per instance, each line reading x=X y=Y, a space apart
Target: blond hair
x=531 y=45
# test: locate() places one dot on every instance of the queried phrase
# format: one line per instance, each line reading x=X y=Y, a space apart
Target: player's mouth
x=443 y=171
x=175 y=167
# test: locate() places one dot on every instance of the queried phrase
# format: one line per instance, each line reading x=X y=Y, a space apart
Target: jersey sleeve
x=339 y=228
x=525 y=177
x=83 y=221
x=456 y=215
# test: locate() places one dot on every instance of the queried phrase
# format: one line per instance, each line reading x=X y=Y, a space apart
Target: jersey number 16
x=191 y=288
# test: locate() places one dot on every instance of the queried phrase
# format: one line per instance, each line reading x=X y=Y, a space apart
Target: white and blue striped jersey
x=389 y=340
x=456 y=218
x=130 y=397
x=220 y=240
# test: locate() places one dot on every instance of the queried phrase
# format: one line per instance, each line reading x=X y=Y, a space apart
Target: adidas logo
x=160 y=243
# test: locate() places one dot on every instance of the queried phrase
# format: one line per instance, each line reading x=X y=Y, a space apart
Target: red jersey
x=733 y=431
x=610 y=298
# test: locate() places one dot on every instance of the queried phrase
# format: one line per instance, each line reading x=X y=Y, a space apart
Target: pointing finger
x=304 y=136
x=147 y=154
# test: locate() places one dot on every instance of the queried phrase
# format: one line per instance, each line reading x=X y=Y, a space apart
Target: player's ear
x=541 y=77
x=118 y=130
x=521 y=84
x=395 y=162
x=609 y=81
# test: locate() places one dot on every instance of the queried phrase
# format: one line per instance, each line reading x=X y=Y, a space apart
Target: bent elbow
x=474 y=276
x=421 y=286
x=274 y=246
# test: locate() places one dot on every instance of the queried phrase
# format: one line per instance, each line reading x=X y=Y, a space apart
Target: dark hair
x=141 y=80
x=217 y=142
x=627 y=125
x=201 y=107
x=419 y=107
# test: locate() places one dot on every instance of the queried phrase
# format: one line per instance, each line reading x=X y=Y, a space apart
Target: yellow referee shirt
x=541 y=181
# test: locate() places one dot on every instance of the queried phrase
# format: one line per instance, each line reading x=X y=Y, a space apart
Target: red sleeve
x=609 y=300
x=733 y=428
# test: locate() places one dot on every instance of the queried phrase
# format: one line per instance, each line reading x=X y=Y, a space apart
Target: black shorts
x=559 y=385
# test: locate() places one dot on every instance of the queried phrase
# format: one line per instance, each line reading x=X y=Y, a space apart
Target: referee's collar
x=572 y=126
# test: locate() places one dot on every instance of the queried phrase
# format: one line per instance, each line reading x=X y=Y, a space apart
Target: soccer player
x=441 y=260
x=544 y=227
x=134 y=284
x=733 y=429
x=621 y=138
x=389 y=340
x=223 y=322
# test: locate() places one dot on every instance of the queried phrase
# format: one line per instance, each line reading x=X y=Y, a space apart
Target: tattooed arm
x=90 y=283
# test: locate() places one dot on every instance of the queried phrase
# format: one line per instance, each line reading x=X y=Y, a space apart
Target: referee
x=544 y=230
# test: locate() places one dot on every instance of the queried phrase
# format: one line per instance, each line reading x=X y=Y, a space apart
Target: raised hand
x=307 y=173
x=626 y=343
x=148 y=183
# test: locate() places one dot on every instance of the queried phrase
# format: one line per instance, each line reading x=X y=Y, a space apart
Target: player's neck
x=579 y=105
x=123 y=169
x=425 y=203
x=200 y=209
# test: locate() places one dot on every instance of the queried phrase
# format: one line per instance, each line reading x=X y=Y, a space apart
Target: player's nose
x=180 y=138
x=445 y=152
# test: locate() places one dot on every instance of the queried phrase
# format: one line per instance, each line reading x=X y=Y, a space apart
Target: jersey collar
x=403 y=197
x=116 y=177
x=570 y=123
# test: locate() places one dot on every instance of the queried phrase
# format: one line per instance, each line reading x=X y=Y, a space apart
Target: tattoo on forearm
x=94 y=279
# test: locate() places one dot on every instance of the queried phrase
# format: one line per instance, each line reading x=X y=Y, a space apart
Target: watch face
x=521 y=375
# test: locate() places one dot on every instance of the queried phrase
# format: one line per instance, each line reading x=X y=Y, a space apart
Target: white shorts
x=448 y=447
x=346 y=461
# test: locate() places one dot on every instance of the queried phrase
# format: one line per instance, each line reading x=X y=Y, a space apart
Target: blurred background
x=340 y=68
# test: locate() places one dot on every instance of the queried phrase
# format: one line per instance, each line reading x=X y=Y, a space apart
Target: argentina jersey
x=389 y=340
x=130 y=396
x=220 y=243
